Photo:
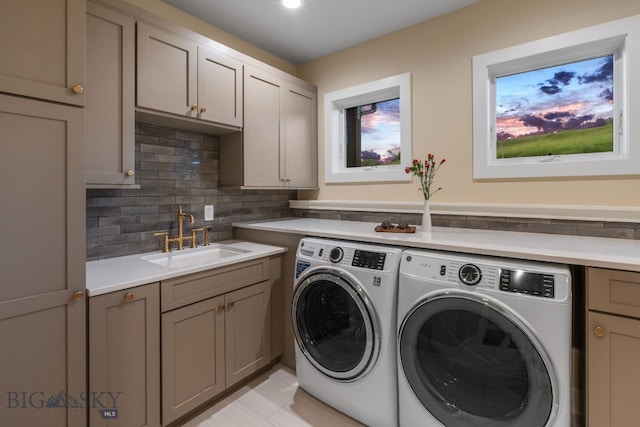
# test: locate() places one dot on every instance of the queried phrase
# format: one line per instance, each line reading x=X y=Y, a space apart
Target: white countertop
x=623 y=254
x=114 y=274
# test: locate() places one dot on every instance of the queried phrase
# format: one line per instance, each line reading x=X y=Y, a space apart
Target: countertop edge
x=127 y=272
x=620 y=254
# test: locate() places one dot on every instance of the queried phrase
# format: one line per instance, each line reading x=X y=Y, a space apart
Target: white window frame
x=335 y=104
x=620 y=38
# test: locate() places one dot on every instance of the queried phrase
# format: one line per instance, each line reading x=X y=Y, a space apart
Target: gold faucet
x=181 y=237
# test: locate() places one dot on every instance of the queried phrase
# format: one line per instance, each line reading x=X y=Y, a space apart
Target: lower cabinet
x=159 y=351
x=613 y=346
x=211 y=345
x=124 y=358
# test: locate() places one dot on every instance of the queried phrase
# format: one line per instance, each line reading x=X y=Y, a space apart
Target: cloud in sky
x=555 y=98
x=380 y=131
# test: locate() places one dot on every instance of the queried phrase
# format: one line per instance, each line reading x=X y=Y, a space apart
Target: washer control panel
x=343 y=254
x=366 y=259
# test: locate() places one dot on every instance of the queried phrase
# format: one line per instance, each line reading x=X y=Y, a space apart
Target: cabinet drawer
x=614 y=291
x=196 y=287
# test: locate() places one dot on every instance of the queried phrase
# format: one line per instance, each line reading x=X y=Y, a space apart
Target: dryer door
x=334 y=325
x=470 y=363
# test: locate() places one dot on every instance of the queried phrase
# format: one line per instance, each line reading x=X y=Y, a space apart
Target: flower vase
x=426 y=218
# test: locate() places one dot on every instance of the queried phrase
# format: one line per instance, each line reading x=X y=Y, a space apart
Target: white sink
x=191 y=257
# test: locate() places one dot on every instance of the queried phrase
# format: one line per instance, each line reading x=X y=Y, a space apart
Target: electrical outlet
x=208 y=212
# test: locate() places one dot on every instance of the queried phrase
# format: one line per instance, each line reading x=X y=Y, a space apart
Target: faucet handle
x=165 y=240
x=193 y=237
x=206 y=236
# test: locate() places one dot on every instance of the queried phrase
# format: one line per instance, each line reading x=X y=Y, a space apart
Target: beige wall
x=438 y=54
x=170 y=13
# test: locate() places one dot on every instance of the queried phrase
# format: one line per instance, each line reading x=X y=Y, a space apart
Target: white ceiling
x=319 y=27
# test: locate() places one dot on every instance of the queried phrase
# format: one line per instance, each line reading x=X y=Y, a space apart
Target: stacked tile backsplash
x=174 y=168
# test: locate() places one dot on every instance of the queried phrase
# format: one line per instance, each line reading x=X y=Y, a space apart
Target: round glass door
x=471 y=364
x=334 y=326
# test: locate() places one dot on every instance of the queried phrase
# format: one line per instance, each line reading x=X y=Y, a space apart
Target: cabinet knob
x=229 y=305
x=129 y=297
x=77 y=89
x=129 y=172
x=599 y=331
x=194 y=107
x=78 y=296
x=220 y=308
x=203 y=109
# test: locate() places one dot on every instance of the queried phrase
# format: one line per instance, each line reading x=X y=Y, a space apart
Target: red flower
x=426 y=173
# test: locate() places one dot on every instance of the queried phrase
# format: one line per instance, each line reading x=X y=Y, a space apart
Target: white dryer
x=344 y=321
x=483 y=341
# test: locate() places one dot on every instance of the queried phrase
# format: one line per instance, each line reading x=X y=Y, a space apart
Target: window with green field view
x=563 y=106
x=559 y=110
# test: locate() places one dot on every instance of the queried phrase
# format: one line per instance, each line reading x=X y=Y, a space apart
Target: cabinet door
x=42 y=271
x=192 y=357
x=110 y=101
x=42 y=49
x=300 y=148
x=219 y=88
x=124 y=357
x=167 y=72
x=613 y=370
x=248 y=331
x=263 y=122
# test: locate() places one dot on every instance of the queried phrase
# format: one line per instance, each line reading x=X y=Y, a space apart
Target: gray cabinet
x=175 y=75
x=279 y=142
x=193 y=357
x=110 y=98
x=124 y=352
x=219 y=87
x=613 y=345
x=42 y=271
x=216 y=331
x=42 y=49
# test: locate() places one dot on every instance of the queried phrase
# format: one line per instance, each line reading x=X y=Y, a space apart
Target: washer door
x=334 y=325
x=470 y=364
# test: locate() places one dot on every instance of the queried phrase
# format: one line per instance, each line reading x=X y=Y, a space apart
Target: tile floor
x=274 y=400
x=270 y=400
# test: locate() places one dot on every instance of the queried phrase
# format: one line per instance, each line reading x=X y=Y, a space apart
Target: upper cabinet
x=279 y=142
x=177 y=76
x=110 y=100
x=219 y=87
x=45 y=43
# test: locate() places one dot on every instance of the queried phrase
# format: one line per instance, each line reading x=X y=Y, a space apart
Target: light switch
x=208 y=212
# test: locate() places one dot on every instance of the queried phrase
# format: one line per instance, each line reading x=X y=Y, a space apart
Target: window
x=368 y=132
x=561 y=109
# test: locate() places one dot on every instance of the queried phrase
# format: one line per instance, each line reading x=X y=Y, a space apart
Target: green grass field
x=594 y=140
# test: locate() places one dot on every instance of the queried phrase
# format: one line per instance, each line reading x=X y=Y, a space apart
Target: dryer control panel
x=527 y=282
x=488 y=274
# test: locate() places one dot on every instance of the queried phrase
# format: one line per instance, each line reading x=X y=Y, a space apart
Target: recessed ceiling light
x=292 y=4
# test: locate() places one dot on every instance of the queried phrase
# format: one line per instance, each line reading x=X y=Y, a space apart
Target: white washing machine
x=483 y=341
x=344 y=321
